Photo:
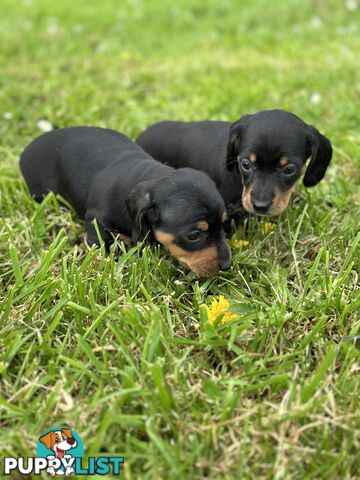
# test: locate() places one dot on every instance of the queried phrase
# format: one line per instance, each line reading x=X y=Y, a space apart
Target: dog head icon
x=59 y=441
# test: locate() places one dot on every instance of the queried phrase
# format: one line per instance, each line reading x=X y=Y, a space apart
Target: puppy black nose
x=225 y=264
x=224 y=259
x=261 y=206
x=71 y=440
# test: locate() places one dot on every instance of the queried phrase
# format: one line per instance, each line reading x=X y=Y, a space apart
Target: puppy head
x=59 y=441
x=270 y=149
x=186 y=214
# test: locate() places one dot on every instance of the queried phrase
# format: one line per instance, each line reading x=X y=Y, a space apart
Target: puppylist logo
x=60 y=452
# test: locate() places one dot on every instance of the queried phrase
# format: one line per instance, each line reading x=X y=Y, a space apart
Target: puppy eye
x=193 y=236
x=289 y=169
x=246 y=165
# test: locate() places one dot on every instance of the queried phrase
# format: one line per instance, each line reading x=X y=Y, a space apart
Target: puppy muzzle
x=266 y=206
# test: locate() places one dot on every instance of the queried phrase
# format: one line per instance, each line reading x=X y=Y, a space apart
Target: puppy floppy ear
x=48 y=440
x=232 y=150
x=142 y=210
x=321 y=153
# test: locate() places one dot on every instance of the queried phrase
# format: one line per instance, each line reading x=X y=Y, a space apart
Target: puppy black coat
x=107 y=177
x=254 y=161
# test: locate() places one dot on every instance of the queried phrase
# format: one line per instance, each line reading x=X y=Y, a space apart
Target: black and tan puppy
x=255 y=161
x=107 y=177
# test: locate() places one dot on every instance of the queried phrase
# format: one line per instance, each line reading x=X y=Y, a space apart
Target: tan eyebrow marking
x=252 y=158
x=203 y=225
x=284 y=161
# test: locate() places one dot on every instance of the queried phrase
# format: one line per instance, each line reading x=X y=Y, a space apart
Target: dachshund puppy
x=107 y=177
x=255 y=162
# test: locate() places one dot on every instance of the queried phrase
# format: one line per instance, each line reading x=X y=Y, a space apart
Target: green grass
x=117 y=348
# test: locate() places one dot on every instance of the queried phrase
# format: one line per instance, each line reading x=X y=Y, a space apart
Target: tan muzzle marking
x=246 y=199
x=279 y=203
x=203 y=262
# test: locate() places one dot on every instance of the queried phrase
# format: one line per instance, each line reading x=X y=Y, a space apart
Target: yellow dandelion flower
x=267 y=227
x=219 y=307
x=236 y=243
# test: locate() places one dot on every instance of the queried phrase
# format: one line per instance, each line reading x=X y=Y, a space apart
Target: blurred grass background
x=116 y=349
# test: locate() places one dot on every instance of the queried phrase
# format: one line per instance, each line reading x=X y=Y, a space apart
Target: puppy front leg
x=92 y=235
